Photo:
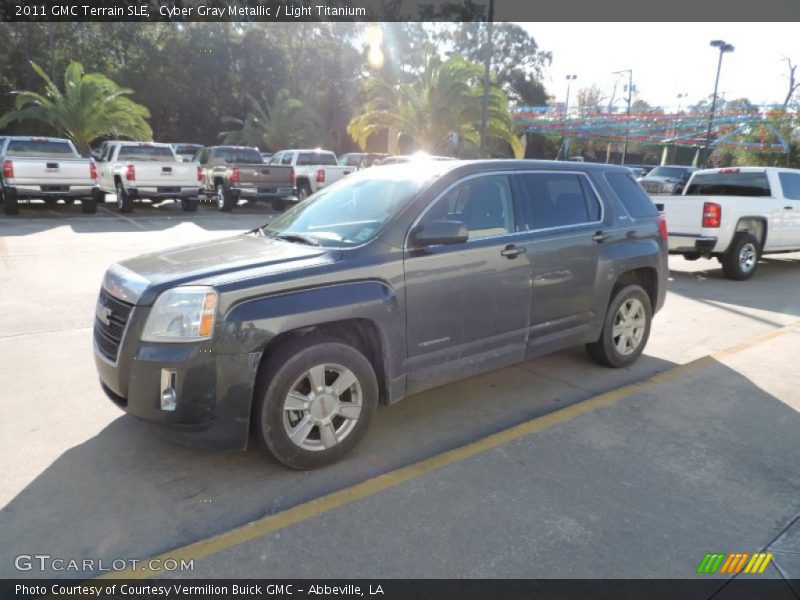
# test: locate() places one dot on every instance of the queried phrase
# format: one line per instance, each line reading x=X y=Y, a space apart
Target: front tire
x=279 y=204
x=303 y=191
x=740 y=261
x=315 y=400
x=625 y=330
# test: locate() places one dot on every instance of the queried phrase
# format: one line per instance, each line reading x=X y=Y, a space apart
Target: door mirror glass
x=434 y=233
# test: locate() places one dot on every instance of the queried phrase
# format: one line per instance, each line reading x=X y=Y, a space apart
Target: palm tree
x=283 y=123
x=445 y=100
x=90 y=107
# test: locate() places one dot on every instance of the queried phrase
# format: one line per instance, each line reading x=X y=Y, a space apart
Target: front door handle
x=788 y=208
x=512 y=251
x=599 y=237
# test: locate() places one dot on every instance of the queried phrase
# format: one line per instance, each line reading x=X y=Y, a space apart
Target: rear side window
x=306 y=159
x=633 y=197
x=559 y=200
x=790 y=182
x=36 y=148
x=729 y=183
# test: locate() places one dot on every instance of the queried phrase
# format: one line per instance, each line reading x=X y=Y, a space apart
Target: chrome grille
x=108 y=331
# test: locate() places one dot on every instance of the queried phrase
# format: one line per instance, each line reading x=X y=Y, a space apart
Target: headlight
x=182 y=314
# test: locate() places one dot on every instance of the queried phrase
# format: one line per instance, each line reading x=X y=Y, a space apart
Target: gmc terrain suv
x=394 y=280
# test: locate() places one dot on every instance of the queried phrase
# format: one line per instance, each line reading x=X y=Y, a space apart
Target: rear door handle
x=788 y=208
x=512 y=251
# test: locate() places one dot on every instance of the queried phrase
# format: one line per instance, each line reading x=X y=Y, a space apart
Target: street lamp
x=487 y=65
x=723 y=47
x=628 y=112
x=570 y=79
x=680 y=97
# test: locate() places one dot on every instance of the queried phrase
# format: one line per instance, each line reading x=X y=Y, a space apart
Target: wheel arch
x=754 y=225
x=644 y=277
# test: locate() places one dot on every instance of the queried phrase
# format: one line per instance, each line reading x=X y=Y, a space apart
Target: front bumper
x=213 y=392
x=30 y=192
x=684 y=243
x=153 y=193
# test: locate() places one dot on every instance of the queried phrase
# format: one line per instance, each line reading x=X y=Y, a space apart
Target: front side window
x=790 y=182
x=484 y=204
x=287 y=158
x=559 y=200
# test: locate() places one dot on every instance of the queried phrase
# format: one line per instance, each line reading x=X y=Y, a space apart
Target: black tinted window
x=144 y=152
x=306 y=159
x=483 y=204
x=558 y=200
x=287 y=159
x=238 y=155
x=730 y=183
x=790 y=182
x=632 y=196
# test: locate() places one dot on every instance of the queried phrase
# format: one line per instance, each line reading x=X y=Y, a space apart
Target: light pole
x=680 y=97
x=487 y=65
x=628 y=111
x=570 y=79
x=565 y=144
x=723 y=47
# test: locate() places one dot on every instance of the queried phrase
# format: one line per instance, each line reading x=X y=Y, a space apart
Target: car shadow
x=773 y=287
x=127 y=492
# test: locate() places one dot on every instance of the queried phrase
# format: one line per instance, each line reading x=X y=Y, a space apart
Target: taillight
x=200 y=175
x=320 y=175
x=662 y=226
x=712 y=214
x=8 y=169
x=130 y=173
x=92 y=170
x=234 y=175
x=294 y=178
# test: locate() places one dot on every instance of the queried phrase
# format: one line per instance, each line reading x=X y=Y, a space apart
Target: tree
x=446 y=100
x=284 y=123
x=90 y=107
x=794 y=84
x=590 y=100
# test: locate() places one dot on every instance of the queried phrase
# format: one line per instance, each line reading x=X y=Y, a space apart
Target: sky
x=668 y=59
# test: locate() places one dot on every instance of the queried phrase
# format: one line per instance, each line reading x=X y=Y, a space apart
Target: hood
x=216 y=258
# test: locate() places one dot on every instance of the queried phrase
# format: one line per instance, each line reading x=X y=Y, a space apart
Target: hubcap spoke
x=618 y=330
x=343 y=382
x=299 y=434
x=327 y=434
x=348 y=410
x=296 y=401
x=622 y=344
x=316 y=376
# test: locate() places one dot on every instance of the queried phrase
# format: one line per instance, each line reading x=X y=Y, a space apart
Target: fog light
x=169 y=396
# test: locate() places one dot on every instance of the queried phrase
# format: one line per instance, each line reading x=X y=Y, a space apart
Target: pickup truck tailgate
x=263 y=175
x=51 y=171
x=161 y=174
x=684 y=214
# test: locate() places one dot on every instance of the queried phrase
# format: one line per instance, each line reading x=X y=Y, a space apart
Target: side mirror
x=443 y=233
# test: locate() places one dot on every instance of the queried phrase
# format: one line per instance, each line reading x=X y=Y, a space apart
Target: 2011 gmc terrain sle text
x=394 y=280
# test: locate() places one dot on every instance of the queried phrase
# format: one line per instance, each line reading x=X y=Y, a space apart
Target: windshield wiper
x=297 y=237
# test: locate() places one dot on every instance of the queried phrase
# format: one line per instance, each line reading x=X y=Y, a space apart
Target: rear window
x=36 y=148
x=143 y=153
x=239 y=155
x=633 y=197
x=306 y=159
x=187 y=148
x=731 y=183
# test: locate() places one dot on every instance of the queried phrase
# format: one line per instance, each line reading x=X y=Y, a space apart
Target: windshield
x=153 y=153
x=44 y=149
x=355 y=209
x=671 y=172
x=731 y=183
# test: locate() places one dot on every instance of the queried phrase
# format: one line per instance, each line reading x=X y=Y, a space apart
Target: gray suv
x=392 y=281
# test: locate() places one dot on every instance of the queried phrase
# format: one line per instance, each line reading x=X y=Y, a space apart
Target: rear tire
x=300 y=417
x=189 y=204
x=224 y=197
x=625 y=330
x=740 y=261
x=10 y=203
x=279 y=204
x=124 y=201
x=89 y=205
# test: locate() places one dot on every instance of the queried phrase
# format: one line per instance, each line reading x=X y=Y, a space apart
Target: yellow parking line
x=261 y=527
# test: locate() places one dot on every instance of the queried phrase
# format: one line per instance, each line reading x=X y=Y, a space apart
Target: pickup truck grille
x=108 y=332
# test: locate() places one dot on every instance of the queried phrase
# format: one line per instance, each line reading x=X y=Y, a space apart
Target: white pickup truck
x=313 y=169
x=145 y=170
x=735 y=215
x=46 y=169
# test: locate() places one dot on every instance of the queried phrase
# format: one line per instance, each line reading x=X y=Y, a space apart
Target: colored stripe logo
x=733 y=563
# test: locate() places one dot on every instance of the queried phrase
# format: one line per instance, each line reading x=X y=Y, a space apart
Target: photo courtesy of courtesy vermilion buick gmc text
x=391 y=281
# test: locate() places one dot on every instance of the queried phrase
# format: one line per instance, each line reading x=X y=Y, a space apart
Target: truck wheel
x=741 y=259
x=189 y=204
x=89 y=205
x=124 y=201
x=303 y=191
x=10 y=203
x=278 y=204
x=625 y=330
x=315 y=399
x=224 y=198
